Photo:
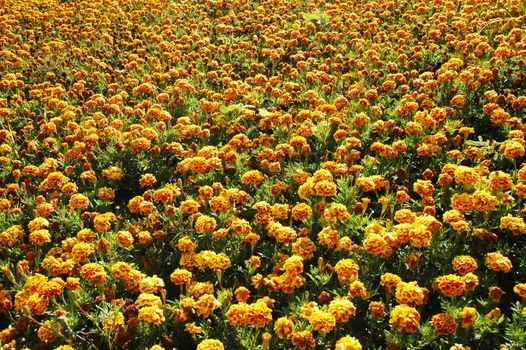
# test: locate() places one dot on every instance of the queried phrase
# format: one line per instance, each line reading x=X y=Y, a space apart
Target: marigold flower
x=341 y=309
x=210 y=344
x=468 y=316
x=302 y=339
x=181 y=276
x=520 y=289
x=206 y=304
x=450 y=285
x=40 y=237
x=405 y=317
x=252 y=177
x=48 y=331
x=283 y=327
x=410 y=293
x=205 y=224
x=444 y=324
x=377 y=309
x=348 y=343
x=464 y=264
x=328 y=237
x=94 y=273
x=498 y=262
x=347 y=271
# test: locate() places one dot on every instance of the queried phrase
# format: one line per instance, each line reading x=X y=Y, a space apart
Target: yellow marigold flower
x=258 y=314
x=283 y=327
x=322 y=321
x=468 y=316
x=148 y=299
x=302 y=339
x=206 y=304
x=336 y=212
x=484 y=201
x=347 y=271
x=513 y=224
x=106 y=194
x=147 y=180
x=348 y=343
x=423 y=187
x=466 y=175
x=459 y=347
x=520 y=289
x=112 y=173
x=341 y=309
x=444 y=324
x=151 y=314
x=498 y=262
x=405 y=317
x=236 y=314
x=81 y=251
x=328 y=237
x=210 y=344
x=252 y=177
x=40 y=237
x=151 y=284
x=390 y=280
x=205 y=224
x=120 y=270
x=192 y=328
x=325 y=188
x=242 y=294
x=124 y=238
x=376 y=244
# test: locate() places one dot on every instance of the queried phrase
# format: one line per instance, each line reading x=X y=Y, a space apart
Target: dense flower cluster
x=241 y=174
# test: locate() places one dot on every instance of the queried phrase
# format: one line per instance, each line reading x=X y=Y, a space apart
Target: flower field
x=242 y=174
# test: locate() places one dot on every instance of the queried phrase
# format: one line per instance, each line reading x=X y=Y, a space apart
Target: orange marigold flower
x=464 y=264
x=444 y=324
x=302 y=339
x=205 y=224
x=450 y=285
x=48 y=331
x=181 y=276
x=94 y=273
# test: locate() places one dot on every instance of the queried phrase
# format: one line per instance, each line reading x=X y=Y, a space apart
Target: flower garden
x=241 y=174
